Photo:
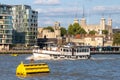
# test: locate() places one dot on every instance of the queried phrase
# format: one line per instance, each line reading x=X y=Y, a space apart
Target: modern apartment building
x=25 y=22
x=5 y=26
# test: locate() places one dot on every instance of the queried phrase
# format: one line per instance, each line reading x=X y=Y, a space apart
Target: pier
x=105 y=50
x=16 y=52
x=93 y=50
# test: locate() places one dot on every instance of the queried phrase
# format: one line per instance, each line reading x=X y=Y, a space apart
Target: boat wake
x=36 y=58
x=29 y=57
x=44 y=58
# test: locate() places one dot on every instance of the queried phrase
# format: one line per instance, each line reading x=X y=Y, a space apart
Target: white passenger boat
x=66 y=52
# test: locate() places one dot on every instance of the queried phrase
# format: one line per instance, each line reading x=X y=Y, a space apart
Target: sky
x=65 y=11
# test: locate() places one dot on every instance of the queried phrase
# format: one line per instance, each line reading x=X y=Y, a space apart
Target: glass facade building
x=5 y=26
x=18 y=25
x=25 y=22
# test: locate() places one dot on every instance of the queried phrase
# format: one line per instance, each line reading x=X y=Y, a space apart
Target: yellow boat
x=14 y=54
x=24 y=70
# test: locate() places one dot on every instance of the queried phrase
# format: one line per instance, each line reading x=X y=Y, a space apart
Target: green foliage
x=82 y=31
x=92 y=32
x=76 y=25
x=116 y=39
x=49 y=28
x=63 y=31
x=75 y=29
x=105 y=32
x=70 y=29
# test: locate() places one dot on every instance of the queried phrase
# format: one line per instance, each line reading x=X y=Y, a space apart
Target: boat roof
x=35 y=46
x=75 y=47
x=49 y=42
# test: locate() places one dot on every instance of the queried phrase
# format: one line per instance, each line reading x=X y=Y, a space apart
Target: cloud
x=107 y=9
x=46 y=22
x=54 y=10
x=47 y=2
x=99 y=8
x=59 y=12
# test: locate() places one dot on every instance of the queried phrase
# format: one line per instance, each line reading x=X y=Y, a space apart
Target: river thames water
x=99 y=67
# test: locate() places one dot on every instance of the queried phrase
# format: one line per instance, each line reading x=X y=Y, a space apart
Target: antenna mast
x=76 y=14
x=83 y=15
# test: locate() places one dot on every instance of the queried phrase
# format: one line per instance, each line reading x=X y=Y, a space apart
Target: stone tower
x=76 y=21
x=57 y=29
x=102 y=23
x=109 y=25
x=83 y=22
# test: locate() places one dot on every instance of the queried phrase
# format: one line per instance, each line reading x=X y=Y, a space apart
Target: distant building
x=98 y=39
x=5 y=26
x=25 y=22
x=93 y=41
x=45 y=33
x=87 y=40
x=96 y=27
x=116 y=30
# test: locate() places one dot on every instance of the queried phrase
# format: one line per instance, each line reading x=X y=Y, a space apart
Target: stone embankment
x=16 y=52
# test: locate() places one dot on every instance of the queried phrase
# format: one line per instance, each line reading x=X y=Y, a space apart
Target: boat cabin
x=75 y=51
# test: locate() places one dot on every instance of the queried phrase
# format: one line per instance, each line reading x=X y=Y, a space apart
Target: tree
x=105 y=32
x=49 y=28
x=63 y=31
x=70 y=29
x=75 y=29
x=92 y=32
x=76 y=25
x=116 y=39
x=82 y=31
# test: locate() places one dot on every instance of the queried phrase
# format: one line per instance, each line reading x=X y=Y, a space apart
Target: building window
x=93 y=39
x=1 y=17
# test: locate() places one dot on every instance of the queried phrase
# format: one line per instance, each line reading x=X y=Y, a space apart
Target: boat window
x=87 y=50
x=83 y=50
x=67 y=50
x=76 y=50
x=79 y=50
x=64 y=50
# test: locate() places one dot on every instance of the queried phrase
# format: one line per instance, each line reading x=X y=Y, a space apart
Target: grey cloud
x=59 y=12
x=106 y=9
x=47 y=2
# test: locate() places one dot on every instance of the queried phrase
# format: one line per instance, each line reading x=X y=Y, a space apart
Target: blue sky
x=64 y=11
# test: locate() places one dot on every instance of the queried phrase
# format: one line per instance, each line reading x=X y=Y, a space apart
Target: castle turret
x=110 y=26
x=57 y=26
x=102 y=23
x=57 y=29
x=83 y=22
x=109 y=21
x=76 y=20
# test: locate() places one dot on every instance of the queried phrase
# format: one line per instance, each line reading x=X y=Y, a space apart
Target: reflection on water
x=33 y=76
x=99 y=67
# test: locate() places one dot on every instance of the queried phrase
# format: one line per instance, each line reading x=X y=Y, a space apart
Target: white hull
x=38 y=55
x=53 y=56
x=63 y=53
